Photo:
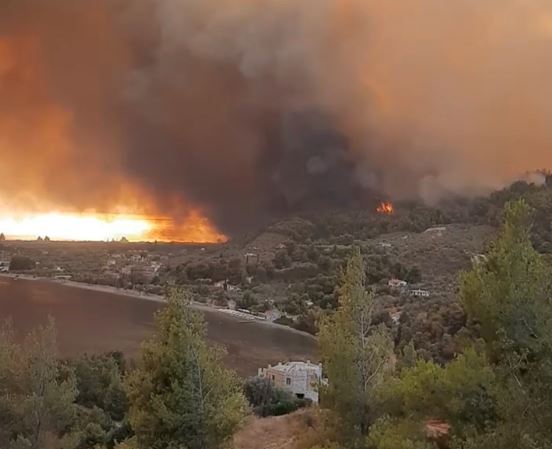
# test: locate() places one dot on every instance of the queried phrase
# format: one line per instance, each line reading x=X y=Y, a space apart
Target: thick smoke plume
x=245 y=110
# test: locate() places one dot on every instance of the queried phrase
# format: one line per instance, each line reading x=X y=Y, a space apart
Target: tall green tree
x=508 y=303
x=507 y=298
x=37 y=393
x=357 y=355
x=499 y=395
x=181 y=395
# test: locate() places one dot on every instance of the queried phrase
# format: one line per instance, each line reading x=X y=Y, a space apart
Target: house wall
x=302 y=381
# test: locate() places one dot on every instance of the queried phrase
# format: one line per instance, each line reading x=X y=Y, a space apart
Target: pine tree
x=357 y=355
x=507 y=300
x=181 y=395
x=37 y=393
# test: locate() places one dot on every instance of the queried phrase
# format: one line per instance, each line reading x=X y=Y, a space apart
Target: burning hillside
x=386 y=208
x=243 y=112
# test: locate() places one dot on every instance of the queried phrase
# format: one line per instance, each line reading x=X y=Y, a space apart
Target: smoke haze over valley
x=235 y=112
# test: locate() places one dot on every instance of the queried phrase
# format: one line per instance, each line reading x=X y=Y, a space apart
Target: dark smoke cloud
x=249 y=110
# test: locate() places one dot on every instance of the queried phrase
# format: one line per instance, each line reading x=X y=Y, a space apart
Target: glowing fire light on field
x=102 y=227
x=385 y=207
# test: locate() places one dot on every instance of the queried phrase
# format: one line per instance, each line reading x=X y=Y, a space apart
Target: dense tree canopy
x=181 y=395
x=37 y=393
x=508 y=302
x=497 y=392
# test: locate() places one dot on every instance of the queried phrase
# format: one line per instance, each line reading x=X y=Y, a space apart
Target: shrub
x=268 y=400
x=21 y=263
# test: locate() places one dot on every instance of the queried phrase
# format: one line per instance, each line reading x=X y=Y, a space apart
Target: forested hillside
x=467 y=367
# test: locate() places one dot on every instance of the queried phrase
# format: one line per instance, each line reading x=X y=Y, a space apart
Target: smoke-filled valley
x=245 y=111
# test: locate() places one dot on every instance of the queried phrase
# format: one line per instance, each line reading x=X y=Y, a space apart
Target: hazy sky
x=246 y=110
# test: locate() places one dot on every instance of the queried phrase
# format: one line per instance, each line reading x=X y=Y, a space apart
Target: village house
x=479 y=259
x=438 y=432
x=395 y=315
x=273 y=314
x=437 y=229
x=226 y=286
x=251 y=259
x=420 y=293
x=4 y=262
x=397 y=283
x=142 y=273
x=63 y=277
x=5 y=258
x=299 y=378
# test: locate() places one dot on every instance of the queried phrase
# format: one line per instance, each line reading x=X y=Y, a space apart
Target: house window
x=288 y=380
x=273 y=377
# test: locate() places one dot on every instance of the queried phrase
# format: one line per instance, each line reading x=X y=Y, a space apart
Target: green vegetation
x=180 y=394
x=268 y=400
x=495 y=393
x=37 y=393
x=101 y=400
x=469 y=367
x=357 y=355
x=21 y=263
x=46 y=403
x=291 y=268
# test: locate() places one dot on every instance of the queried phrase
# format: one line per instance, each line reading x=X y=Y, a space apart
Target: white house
x=397 y=283
x=299 y=378
x=437 y=229
x=395 y=316
x=479 y=259
x=419 y=292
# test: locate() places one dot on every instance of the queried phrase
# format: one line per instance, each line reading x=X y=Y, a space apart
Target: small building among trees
x=299 y=378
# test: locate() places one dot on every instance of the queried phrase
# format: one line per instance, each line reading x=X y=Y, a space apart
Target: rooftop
x=291 y=367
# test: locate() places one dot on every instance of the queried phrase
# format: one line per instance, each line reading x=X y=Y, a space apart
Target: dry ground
x=277 y=432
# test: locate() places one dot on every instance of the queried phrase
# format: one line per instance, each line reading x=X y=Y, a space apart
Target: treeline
x=178 y=394
x=346 y=227
x=48 y=403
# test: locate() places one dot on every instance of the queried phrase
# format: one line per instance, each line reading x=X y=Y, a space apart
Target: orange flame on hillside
x=385 y=207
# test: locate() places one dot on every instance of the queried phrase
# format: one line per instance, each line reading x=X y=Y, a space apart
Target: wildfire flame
x=98 y=227
x=385 y=207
